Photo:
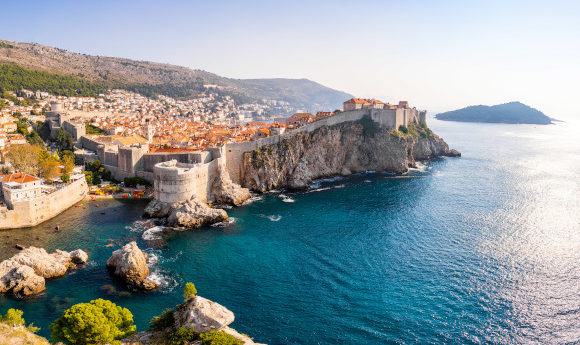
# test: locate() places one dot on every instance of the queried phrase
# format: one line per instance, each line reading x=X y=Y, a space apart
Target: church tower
x=149 y=131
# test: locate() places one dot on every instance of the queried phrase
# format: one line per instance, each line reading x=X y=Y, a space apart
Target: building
x=300 y=119
x=19 y=187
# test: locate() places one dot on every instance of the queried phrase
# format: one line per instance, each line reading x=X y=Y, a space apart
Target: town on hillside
x=48 y=142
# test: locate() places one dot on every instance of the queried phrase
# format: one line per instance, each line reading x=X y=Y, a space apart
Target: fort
x=29 y=212
x=179 y=176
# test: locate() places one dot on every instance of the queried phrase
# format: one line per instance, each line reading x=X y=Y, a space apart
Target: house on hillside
x=19 y=187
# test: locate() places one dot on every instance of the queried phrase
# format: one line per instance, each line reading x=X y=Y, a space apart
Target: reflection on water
x=483 y=249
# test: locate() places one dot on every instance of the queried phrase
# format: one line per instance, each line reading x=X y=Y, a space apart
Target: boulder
x=79 y=256
x=25 y=273
x=202 y=315
x=225 y=191
x=195 y=214
x=130 y=264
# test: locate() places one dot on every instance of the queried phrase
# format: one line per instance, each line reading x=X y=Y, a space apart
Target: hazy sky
x=438 y=55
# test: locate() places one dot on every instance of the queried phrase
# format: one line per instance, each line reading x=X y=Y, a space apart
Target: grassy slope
x=19 y=336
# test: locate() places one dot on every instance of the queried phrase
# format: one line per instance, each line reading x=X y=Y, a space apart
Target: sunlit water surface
x=484 y=249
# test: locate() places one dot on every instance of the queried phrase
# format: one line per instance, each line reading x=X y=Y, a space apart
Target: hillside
x=152 y=78
x=513 y=112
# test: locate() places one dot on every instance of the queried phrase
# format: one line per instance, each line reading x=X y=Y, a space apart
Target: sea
x=482 y=249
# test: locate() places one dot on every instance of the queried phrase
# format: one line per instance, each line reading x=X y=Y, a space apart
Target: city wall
x=33 y=212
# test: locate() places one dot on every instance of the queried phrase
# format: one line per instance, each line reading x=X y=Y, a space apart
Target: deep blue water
x=483 y=249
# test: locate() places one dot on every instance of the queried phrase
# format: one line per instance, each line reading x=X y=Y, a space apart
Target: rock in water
x=195 y=214
x=79 y=256
x=24 y=274
x=130 y=264
x=191 y=214
x=202 y=315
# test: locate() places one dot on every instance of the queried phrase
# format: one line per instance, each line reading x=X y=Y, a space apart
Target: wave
x=230 y=221
x=253 y=199
x=153 y=233
x=273 y=218
x=166 y=281
x=142 y=225
x=286 y=198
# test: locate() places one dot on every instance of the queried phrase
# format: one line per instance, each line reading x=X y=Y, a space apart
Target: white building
x=20 y=187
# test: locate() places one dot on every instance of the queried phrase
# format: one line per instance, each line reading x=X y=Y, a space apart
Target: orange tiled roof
x=19 y=178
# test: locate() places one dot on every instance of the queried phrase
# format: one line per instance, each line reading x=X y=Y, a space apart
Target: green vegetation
x=95 y=173
x=165 y=320
x=97 y=322
x=182 y=336
x=94 y=129
x=14 y=99
x=403 y=129
x=13 y=317
x=6 y=45
x=64 y=140
x=132 y=182
x=370 y=127
x=219 y=338
x=13 y=77
x=189 y=291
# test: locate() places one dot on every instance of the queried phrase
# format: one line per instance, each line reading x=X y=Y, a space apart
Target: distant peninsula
x=512 y=112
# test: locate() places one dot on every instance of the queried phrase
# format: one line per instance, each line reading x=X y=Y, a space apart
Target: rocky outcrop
x=25 y=273
x=224 y=191
x=202 y=315
x=189 y=214
x=342 y=149
x=130 y=264
x=196 y=313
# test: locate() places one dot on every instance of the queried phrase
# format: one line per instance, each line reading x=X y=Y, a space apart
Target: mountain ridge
x=301 y=93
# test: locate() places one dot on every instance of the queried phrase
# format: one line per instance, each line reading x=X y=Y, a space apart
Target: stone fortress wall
x=178 y=176
x=33 y=212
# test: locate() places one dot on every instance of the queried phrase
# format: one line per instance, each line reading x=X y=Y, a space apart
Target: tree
x=64 y=140
x=189 y=291
x=13 y=317
x=97 y=322
x=49 y=168
x=26 y=158
x=68 y=162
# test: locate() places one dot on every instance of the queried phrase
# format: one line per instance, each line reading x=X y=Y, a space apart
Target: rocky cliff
x=342 y=149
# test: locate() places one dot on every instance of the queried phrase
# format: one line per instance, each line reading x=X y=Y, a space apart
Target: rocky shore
x=25 y=273
x=130 y=265
x=342 y=149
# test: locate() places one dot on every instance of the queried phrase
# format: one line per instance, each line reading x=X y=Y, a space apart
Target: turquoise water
x=483 y=249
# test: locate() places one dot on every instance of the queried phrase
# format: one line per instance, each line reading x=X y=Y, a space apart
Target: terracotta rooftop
x=19 y=178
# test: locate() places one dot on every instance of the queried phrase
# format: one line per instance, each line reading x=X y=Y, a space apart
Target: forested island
x=512 y=112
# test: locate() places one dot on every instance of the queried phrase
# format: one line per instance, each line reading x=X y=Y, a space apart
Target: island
x=512 y=112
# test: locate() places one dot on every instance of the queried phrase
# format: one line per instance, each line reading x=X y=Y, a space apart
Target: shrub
x=164 y=320
x=97 y=322
x=13 y=317
x=189 y=291
x=134 y=181
x=65 y=177
x=219 y=338
x=182 y=336
x=403 y=129
x=369 y=125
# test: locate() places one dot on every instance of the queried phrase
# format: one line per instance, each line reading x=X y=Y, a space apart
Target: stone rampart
x=33 y=212
x=176 y=182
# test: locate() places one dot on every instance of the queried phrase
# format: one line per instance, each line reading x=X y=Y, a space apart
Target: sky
x=438 y=55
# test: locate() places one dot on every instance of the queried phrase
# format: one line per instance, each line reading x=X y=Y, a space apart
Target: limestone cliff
x=342 y=149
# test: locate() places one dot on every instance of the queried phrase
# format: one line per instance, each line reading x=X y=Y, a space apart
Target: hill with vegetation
x=513 y=112
x=37 y=67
